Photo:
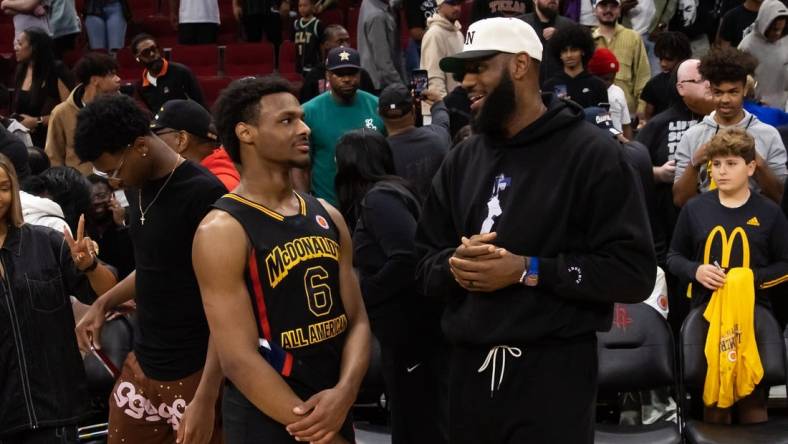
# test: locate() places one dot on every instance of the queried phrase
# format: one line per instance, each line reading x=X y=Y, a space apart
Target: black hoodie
x=567 y=197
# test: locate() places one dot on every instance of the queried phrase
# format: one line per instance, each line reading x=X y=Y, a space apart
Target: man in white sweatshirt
x=442 y=39
x=726 y=69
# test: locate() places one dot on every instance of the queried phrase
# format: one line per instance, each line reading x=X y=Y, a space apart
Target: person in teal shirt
x=342 y=108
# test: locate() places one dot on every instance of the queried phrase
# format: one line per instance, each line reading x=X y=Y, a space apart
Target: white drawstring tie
x=492 y=356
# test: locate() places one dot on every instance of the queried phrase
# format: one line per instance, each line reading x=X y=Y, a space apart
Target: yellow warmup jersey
x=734 y=365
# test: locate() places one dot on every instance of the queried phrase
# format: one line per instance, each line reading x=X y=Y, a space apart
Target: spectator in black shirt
x=162 y=80
x=735 y=23
x=671 y=48
x=315 y=82
x=546 y=21
x=417 y=152
x=105 y=222
x=483 y=9
x=575 y=47
x=168 y=198
x=384 y=210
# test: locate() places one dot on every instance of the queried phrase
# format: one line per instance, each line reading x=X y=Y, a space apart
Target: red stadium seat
x=128 y=67
x=248 y=59
x=352 y=26
x=465 y=13
x=332 y=16
x=161 y=28
x=287 y=57
x=212 y=87
x=203 y=60
x=404 y=32
x=6 y=37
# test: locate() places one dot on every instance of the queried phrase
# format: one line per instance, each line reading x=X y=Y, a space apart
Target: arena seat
x=635 y=355
x=247 y=59
x=203 y=60
x=771 y=348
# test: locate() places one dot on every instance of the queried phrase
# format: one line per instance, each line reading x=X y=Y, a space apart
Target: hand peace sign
x=83 y=250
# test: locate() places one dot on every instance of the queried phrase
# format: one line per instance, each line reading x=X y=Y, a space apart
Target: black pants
x=244 y=423
x=64 y=44
x=269 y=24
x=46 y=435
x=197 y=33
x=547 y=395
x=417 y=390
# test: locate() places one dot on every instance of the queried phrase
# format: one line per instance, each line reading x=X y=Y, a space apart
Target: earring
x=144 y=154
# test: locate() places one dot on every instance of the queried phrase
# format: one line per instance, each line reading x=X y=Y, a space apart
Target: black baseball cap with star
x=343 y=57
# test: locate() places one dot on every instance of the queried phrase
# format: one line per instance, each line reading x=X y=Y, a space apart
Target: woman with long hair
x=41 y=82
x=384 y=210
x=42 y=379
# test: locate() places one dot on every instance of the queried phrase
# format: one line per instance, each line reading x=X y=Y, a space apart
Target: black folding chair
x=637 y=354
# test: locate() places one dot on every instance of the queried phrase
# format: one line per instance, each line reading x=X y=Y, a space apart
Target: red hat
x=603 y=62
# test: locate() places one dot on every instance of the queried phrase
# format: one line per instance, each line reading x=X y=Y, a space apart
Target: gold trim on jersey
x=774 y=282
x=314 y=333
x=283 y=258
x=268 y=211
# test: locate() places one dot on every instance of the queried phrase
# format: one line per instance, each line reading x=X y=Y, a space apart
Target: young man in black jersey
x=275 y=272
x=170 y=381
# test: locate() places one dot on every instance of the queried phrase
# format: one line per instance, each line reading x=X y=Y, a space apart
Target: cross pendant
x=142 y=220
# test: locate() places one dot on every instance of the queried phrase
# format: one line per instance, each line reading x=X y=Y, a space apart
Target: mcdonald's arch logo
x=726 y=245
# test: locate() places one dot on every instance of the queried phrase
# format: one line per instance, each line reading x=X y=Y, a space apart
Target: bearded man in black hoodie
x=533 y=228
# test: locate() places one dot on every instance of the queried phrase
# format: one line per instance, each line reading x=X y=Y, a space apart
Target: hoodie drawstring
x=492 y=357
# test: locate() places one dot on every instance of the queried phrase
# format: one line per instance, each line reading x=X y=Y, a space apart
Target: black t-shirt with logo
x=661 y=135
x=585 y=89
x=483 y=9
x=418 y=11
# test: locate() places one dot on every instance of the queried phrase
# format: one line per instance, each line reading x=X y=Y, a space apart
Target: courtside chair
x=637 y=354
x=771 y=348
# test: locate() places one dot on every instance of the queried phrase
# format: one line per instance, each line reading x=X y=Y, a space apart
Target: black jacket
x=178 y=83
x=568 y=197
x=42 y=378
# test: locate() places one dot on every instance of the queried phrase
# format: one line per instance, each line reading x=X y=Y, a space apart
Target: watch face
x=532 y=280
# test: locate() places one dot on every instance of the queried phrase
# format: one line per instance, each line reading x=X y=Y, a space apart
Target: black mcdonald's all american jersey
x=292 y=276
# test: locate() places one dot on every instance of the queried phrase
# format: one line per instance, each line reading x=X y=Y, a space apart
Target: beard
x=547 y=12
x=155 y=66
x=498 y=108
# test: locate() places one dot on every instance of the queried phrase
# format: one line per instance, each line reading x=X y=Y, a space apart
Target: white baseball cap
x=488 y=37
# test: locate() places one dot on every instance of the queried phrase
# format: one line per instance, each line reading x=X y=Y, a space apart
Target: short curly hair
x=672 y=45
x=240 y=102
x=108 y=125
x=575 y=36
x=94 y=64
x=732 y=142
x=727 y=65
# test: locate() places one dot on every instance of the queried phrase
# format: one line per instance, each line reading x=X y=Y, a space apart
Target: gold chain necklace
x=139 y=201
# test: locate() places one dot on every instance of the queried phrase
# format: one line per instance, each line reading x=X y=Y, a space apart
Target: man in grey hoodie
x=768 y=44
x=726 y=69
x=378 y=43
